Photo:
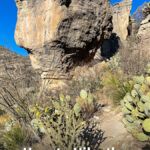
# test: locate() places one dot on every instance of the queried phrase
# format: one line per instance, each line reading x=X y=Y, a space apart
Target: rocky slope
x=16 y=69
x=58 y=34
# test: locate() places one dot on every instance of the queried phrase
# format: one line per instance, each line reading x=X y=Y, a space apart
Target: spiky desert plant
x=63 y=125
x=16 y=138
x=60 y=122
x=116 y=86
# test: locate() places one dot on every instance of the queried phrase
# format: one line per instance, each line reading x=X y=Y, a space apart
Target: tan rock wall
x=60 y=34
x=121 y=13
x=144 y=36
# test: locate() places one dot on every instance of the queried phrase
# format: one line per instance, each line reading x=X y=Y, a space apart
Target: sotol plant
x=136 y=108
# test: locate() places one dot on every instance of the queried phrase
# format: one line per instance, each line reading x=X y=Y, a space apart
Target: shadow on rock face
x=110 y=46
x=65 y=2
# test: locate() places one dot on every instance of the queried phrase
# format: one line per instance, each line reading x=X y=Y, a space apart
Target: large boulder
x=58 y=34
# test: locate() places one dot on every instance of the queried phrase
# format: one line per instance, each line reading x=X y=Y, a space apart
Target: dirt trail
x=115 y=132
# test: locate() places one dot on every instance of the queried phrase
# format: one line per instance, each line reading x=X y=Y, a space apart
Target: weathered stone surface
x=61 y=33
x=146 y=9
x=144 y=30
x=144 y=36
x=121 y=13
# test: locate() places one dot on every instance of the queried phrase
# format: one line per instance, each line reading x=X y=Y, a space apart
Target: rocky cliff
x=144 y=35
x=58 y=34
x=121 y=14
x=144 y=30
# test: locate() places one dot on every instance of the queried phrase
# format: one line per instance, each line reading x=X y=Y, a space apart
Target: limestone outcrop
x=144 y=30
x=121 y=14
x=58 y=34
x=144 y=35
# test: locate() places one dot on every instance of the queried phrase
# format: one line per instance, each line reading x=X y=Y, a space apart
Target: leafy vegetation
x=15 y=139
x=61 y=123
x=136 y=108
x=86 y=103
x=115 y=82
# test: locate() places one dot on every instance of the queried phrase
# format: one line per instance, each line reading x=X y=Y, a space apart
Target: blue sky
x=8 y=17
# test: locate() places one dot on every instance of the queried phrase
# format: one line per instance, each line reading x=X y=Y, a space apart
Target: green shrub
x=15 y=139
x=136 y=108
x=86 y=102
x=114 y=63
x=63 y=125
x=116 y=86
x=59 y=122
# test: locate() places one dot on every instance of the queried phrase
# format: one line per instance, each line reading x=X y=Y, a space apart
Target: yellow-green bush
x=86 y=102
x=115 y=85
x=63 y=125
x=15 y=139
x=60 y=122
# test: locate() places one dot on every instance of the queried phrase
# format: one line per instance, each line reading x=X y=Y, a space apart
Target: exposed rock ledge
x=59 y=34
x=144 y=30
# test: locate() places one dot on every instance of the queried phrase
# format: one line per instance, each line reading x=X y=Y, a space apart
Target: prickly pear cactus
x=85 y=102
x=136 y=108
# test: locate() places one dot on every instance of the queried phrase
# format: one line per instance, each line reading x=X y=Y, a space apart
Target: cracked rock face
x=59 y=34
x=144 y=30
x=144 y=36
